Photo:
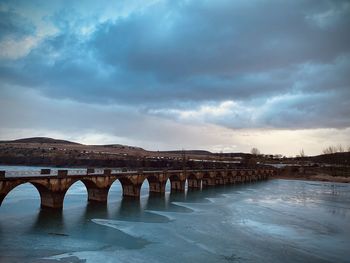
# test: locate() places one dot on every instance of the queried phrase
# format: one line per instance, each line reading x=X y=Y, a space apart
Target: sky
x=223 y=75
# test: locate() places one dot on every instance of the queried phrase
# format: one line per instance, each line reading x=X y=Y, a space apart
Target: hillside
x=40 y=140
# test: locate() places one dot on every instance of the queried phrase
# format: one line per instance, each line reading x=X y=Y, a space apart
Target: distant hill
x=342 y=158
x=40 y=140
x=194 y=152
x=121 y=146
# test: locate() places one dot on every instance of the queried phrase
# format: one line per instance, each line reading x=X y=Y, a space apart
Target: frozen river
x=272 y=221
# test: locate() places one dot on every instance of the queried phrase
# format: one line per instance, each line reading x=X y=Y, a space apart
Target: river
x=271 y=221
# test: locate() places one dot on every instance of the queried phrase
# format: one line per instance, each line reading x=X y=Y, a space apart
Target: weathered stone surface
x=52 y=189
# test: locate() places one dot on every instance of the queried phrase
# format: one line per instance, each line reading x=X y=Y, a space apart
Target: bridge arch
x=48 y=198
x=115 y=191
x=13 y=189
x=75 y=191
x=95 y=192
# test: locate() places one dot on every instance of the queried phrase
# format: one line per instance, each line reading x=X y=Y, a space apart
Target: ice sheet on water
x=161 y=233
x=216 y=199
x=152 y=254
x=127 y=227
x=154 y=232
x=191 y=206
x=169 y=215
x=271 y=229
x=196 y=243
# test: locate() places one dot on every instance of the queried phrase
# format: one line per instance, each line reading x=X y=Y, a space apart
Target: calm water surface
x=272 y=221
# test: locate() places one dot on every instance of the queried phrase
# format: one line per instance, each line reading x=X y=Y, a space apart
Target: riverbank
x=316 y=177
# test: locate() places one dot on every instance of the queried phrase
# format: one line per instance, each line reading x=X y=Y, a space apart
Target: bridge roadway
x=53 y=187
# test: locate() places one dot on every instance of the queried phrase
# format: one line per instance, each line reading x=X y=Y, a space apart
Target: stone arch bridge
x=52 y=188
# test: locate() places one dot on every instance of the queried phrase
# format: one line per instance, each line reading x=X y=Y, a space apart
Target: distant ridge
x=40 y=140
x=197 y=152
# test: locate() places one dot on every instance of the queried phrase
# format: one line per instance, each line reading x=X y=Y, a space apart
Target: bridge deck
x=33 y=174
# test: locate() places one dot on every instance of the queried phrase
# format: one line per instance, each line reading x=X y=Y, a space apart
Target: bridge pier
x=99 y=195
x=230 y=179
x=132 y=185
x=227 y=179
x=238 y=179
x=194 y=183
x=52 y=200
x=178 y=181
x=208 y=182
x=131 y=190
x=157 y=187
x=208 y=179
x=178 y=185
x=157 y=183
x=220 y=178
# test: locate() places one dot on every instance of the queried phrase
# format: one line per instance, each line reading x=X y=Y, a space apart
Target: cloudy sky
x=219 y=75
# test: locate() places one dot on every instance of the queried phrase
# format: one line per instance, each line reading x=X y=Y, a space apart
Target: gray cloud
x=12 y=24
x=285 y=64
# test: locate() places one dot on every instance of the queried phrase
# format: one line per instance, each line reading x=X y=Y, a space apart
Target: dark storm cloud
x=222 y=38
x=289 y=60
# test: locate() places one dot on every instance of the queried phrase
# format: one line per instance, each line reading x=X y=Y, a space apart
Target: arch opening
x=145 y=187
x=168 y=186
x=22 y=197
x=76 y=194
x=115 y=191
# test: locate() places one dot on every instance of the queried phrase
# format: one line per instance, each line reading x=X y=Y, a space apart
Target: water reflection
x=49 y=221
x=129 y=208
x=95 y=210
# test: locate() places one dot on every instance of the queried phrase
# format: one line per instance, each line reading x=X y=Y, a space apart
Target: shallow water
x=272 y=221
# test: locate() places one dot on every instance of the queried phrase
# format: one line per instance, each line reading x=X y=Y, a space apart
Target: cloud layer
x=258 y=66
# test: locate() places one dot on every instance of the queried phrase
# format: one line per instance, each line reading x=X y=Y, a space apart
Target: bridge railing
x=92 y=171
x=55 y=172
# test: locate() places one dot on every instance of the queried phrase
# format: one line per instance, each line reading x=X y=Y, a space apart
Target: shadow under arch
x=130 y=209
x=94 y=210
x=49 y=221
x=157 y=202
